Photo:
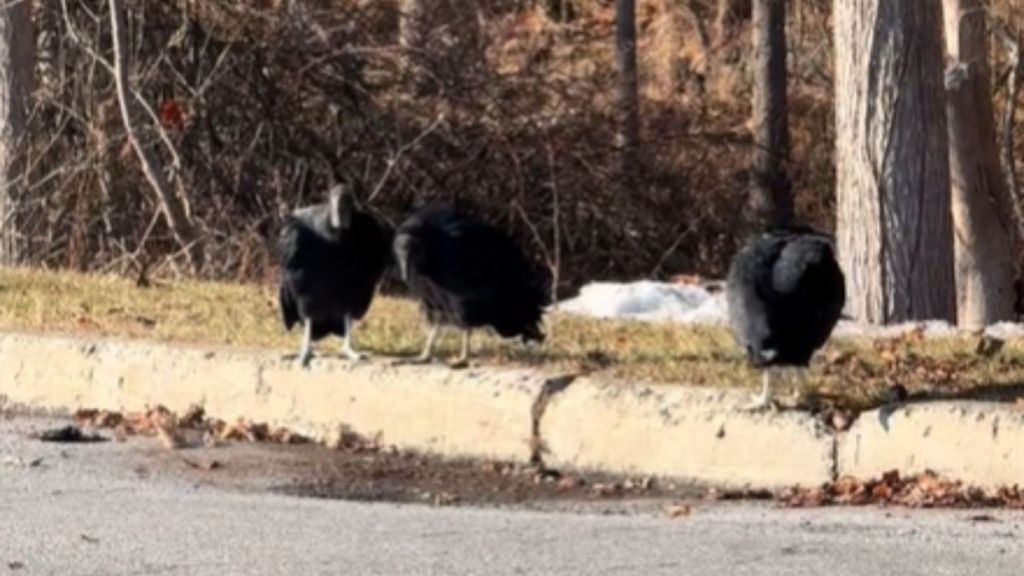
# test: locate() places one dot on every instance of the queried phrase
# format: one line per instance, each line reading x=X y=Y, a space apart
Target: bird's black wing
x=750 y=293
x=289 y=308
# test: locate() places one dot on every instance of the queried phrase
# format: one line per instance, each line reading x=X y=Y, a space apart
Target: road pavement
x=107 y=509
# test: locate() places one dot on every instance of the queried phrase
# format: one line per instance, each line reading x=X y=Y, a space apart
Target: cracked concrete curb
x=520 y=415
x=668 y=430
x=978 y=443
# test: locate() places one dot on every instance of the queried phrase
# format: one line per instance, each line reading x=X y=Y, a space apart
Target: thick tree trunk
x=984 y=233
x=894 y=225
x=629 y=99
x=728 y=14
x=771 y=201
x=17 y=64
x=173 y=207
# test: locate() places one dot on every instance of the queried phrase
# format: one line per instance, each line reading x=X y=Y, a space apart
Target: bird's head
x=343 y=204
x=406 y=250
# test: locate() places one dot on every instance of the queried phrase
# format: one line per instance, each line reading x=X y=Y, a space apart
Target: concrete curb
x=517 y=415
x=683 y=432
x=978 y=443
x=426 y=408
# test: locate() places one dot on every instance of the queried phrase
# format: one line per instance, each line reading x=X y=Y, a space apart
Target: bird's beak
x=403 y=271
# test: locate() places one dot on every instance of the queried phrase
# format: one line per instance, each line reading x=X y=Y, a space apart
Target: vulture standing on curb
x=467 y=274
x=332 y=256
x=785 y=294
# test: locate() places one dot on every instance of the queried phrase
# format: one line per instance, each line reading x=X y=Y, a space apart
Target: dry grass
x=854 y=371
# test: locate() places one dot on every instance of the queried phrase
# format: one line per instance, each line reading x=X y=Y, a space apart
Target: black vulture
x=467 y=274
x=333 y=255
x=785 y=293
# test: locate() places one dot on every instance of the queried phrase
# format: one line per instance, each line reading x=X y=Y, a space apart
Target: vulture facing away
x=785 y=294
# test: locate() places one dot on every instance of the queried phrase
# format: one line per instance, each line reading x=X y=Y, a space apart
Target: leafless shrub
x=267 y=102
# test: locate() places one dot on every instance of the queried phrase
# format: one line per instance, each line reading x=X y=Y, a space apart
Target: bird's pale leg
x=801 y=378
x=764 y=399
x=346 y=349
x=463 y=360
x=306 y=351
x=428 y=348
x=427 y=355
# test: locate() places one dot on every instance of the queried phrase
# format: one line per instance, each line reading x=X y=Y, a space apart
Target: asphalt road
x=105 y=509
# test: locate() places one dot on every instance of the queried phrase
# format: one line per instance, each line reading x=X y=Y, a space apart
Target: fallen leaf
x=205 y=465
x=194 y=417
x=169 y=438
x=210 y=439
x=891 y=477
x=678 y=510
x=882 y=492
x=445 y=499
x=604 y=489
x=568 y=483
x=286 y=436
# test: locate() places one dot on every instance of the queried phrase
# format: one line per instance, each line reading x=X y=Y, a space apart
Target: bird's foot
x=760 y=403
x=304 y=359
x=459 y=364
x=417 y=361
x=353 y=356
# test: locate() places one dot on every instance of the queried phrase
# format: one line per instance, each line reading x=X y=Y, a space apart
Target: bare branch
x=176 y=214
x=392 y=161
x=77 y=38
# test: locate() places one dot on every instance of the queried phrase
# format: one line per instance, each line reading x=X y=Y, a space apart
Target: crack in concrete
x=551 y=388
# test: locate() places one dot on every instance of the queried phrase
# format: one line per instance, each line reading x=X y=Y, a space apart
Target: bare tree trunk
x=729 y=13
x=17 y=64
x=629 y=99
x=985 y=238
x=412 y=24
x=413 y=35
x=173 y=207
x=892 y=161
x=771 y=201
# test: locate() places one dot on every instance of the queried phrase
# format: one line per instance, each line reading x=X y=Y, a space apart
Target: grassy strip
x=854 y=372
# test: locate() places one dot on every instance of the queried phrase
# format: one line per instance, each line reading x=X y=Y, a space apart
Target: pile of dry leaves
x=192 y=428
x=925 y=490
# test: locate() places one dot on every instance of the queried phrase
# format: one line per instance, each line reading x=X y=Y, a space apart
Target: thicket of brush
x=511 y=110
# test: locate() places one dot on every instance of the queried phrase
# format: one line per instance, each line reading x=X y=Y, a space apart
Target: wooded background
x=516 y=109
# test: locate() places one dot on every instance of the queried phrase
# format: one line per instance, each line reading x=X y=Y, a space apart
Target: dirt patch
x=391 y=476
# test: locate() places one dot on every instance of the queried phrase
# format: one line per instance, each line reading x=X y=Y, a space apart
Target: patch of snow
x=1005 y=330
x=649 y=301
